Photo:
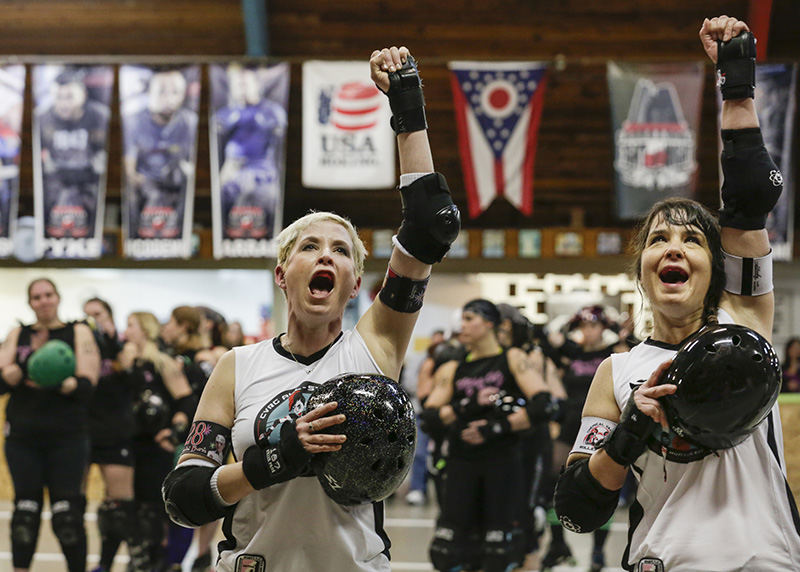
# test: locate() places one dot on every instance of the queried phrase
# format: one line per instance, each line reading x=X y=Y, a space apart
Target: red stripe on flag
x=537 y=103
x=354 y=127
x=499 y=178
x=359 y=111
x=473 y=202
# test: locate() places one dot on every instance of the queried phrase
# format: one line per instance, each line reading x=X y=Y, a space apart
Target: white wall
x=236 y=294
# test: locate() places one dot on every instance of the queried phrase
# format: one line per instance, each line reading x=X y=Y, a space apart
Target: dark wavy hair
x=686 y=212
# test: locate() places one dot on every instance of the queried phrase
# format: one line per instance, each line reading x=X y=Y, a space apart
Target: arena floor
x=410 y=529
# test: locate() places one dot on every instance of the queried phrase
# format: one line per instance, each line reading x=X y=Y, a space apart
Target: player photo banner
x=159 y=108
x=12 y=91
x=498 y=107
x=248 y=133
x=776 y=85
x=347 y=140
x=655 y=111
x=70 y=158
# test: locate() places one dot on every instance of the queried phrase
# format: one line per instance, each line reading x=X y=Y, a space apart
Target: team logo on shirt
x=250 y=563
x=288 y=405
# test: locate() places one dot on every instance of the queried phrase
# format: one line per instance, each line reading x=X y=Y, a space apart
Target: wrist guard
x=432 y=424
x=273 y=465
x=580 y=501
x=736 y=66
x=468 y=408
x=403 y=294
x=752 y=183
x=629 y=438
x=495 y=428
x=541 y=407
x=406 y=99
x=430 y=219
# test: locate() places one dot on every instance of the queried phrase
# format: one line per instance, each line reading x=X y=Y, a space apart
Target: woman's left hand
x=646 y=396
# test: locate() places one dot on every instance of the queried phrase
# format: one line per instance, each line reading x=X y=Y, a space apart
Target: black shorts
x=118 y=454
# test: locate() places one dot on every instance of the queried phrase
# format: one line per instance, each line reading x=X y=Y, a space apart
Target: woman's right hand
x=647 y=394
x=315 y=420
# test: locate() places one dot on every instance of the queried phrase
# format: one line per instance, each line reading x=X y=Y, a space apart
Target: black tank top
x=582 y=366
x=110 y=409
x=470 y=377
x=153 y=406
x=34 y=411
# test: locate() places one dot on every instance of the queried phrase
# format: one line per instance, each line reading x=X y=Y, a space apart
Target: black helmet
x=381 y=436
x=728 y=379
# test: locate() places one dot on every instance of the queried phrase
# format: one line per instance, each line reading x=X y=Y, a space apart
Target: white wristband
x=748 y=276
x=593 y=431
x=215 y=489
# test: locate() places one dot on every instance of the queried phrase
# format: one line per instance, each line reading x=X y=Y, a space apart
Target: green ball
x=52 y=363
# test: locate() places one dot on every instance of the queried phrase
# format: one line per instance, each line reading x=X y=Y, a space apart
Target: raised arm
x=430 y=219
x=752 y=182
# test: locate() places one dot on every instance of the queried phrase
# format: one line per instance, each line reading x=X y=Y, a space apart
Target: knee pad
x=152 y=518
x=25 y=522
x=447 y=549
x=498 y=551
x=116 y=518
x=68 y=520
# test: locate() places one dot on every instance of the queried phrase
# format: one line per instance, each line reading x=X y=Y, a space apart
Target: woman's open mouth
x=322 y=283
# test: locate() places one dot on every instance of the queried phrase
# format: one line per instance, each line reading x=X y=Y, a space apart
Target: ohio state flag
x=498 y=106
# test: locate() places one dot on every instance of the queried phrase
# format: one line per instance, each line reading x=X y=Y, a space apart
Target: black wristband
x=273 y=465
x=540 y=408
x=629 y=438
x=403 y=294
x=406 y=99
x=84 y=389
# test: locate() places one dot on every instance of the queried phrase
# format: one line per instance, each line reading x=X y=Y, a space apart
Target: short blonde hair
x=289 y=235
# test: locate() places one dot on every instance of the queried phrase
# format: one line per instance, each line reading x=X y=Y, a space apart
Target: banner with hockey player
x=12 y=92
x=655 y=112
x=159 y=109
x=247 y=124
x=70 y=157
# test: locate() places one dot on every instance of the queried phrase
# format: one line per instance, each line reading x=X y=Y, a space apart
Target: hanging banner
x=247 y=120
x=159 y=108
x=655 y=112
x=347 y=140
x=498 y=106
x=776 y=85
x=12 y=91
x=70 y=157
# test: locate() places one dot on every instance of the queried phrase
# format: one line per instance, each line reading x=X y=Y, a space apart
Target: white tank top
x=294 y=526
x=720 y=512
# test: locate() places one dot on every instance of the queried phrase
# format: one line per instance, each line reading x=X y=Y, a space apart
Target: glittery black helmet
x=381 y=435
x=728 y=379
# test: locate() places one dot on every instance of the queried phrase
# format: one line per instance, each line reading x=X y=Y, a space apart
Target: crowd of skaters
x=127 y=409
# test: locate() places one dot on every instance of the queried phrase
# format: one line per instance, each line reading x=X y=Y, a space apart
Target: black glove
x=629 y=439
x=495 y=428
x=406 y=99
x=736 y=66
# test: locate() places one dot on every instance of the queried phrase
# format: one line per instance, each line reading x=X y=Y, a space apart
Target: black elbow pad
x=581 y=503
x=187 y=496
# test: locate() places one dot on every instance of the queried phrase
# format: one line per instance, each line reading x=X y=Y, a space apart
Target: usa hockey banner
x=347 y=140
x=498 y=107
x=247 y=122
x=655 y=111
x=70 y=136
x=159 y=108
x=12 y=91
x=776 y=85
